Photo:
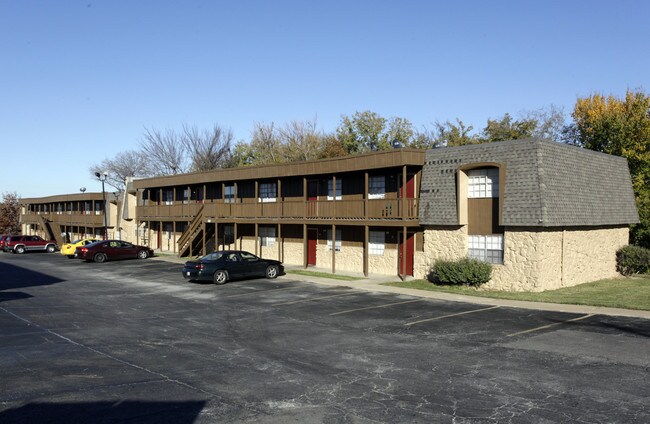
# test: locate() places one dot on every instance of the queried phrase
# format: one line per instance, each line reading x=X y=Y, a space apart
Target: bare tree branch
x=209 y=149
x=166 y=151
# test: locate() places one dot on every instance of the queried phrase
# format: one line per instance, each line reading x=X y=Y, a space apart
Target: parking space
x=289 y=350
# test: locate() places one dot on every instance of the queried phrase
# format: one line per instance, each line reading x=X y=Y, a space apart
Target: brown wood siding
x=483 y=216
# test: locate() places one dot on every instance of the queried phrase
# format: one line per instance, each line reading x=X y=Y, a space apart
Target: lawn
x=627 y=293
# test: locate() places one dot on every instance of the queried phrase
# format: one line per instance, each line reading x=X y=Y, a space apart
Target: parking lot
x=132 y=341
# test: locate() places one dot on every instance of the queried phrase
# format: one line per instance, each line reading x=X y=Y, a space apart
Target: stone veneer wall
x=293 y=252
x=349 y=258
x=542 y=259
x=535 y=259
x=447 y=243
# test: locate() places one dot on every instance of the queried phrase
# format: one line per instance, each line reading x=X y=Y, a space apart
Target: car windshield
x=75 y=242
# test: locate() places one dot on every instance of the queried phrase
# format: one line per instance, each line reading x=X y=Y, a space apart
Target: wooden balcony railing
x=81 y=219
x=288 y=209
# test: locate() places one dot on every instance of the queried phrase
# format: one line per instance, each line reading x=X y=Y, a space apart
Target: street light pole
x=102 y=177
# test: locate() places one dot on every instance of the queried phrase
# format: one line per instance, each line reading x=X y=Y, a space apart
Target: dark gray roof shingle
x=547 y=184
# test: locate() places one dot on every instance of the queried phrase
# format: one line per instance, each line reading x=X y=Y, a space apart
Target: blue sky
x=80 y=80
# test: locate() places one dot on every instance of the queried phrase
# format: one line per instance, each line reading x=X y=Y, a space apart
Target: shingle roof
x=547 y=184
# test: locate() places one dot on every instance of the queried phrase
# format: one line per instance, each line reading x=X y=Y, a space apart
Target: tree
x=10 y=213
x=165 y=151
x=363 y=132
x=302 y=140
x=508 y=129
x=130 y=163
x=620 y=127
x=450 y=134
x=207 y=149
x=550 y=122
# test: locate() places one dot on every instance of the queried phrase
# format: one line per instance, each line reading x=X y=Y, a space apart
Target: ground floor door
x=312 y=242
x=408 y=250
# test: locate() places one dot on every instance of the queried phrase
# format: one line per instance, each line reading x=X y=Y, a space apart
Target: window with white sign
x=338 y=240
x=377 y=187
x=268 y=192
x=376 y=243
x=330 y=189
x=267 y=236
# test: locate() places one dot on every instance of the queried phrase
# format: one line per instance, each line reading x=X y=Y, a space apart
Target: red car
x=108 y=250
x=22 y=244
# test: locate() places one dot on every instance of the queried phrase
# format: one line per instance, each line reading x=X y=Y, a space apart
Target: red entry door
x=407 y=250
x=312 y=241
x=408 y=192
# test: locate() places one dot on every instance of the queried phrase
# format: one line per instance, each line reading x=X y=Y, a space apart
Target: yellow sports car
x=69 y=248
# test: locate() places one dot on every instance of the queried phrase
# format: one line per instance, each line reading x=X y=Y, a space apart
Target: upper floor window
x=229 y=193
x=330 y=189
x=168 y=196
x=377 y=187
x=268 y=192
x=483 y=183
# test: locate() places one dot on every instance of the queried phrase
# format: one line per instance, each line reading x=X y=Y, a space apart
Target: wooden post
x=365 y=249
x=334 y=248
x=305 y=245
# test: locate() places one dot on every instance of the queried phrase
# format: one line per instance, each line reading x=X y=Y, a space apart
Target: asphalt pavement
x=131 y=341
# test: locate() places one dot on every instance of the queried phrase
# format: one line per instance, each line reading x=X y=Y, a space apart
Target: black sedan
x=221 y=266
x=108 y=250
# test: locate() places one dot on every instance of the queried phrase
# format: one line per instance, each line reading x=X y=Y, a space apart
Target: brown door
x=312 y=241
x=410 y=249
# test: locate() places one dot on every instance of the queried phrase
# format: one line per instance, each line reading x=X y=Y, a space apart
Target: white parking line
x=376 y=307
x=451 y=315
x=317 y=298
x=543 y=327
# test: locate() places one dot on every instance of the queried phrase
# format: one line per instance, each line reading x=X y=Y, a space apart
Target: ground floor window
x=267 y=236
x=487 y=248
x=338 y=240
x=377 y=243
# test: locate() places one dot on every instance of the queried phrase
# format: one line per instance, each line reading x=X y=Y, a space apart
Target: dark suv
x=21 y=244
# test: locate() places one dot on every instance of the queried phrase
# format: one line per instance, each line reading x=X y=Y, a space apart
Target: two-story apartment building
x=68 y=217
x=356 y=213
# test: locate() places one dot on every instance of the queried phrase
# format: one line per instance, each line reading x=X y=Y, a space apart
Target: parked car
x=109 y=250
x=2 y=241
x=69 y=249
x=22 y=244
x=221 y=266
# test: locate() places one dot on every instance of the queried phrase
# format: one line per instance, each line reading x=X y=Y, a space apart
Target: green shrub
x=464 y=271
x=633 y=260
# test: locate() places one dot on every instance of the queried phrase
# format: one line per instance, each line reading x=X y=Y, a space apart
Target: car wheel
x=99 y=257
x=220 y=277
x=142 y=254
x=50 y=248
x=19 y=249
x=271 y=271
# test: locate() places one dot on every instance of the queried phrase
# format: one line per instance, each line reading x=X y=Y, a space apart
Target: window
x=229 y=193
x=483 y=183
x=268 y=192
x=267 y=236
x=338 y=240
x=377 y=243
x=377 y=187
x=330 y=190
x=168 y=196
x=486 y=248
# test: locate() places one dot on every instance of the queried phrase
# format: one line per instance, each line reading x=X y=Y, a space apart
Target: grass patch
x=626 y=293
x=323 y=275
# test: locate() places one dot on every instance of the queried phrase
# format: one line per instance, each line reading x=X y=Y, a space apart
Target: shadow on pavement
x=105 y=412
x=16 y=277
x=6 y=296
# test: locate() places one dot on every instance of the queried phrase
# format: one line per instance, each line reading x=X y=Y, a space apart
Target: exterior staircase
x=52 y=230
x=190 y=243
